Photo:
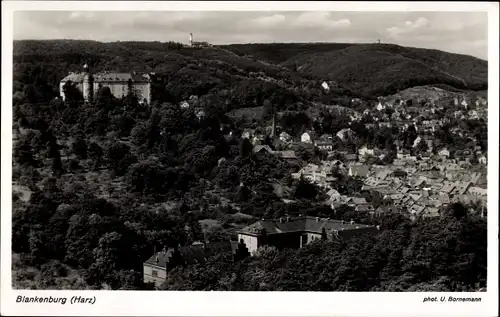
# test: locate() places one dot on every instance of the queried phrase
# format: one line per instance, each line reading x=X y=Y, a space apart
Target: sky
x=457 y=32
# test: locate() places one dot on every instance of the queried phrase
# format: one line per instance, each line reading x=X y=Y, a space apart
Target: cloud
x=409 y=27
x=263 y=22
x=318 y=19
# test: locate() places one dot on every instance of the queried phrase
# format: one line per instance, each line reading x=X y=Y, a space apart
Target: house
x=447 y=188
x=358 y=170
x=416 y=211
x=366 y=151
x=365 y=208
x=444 y=153
x=156 y=268
x=383 y=173
x=420 y=183
x=247 y=134
x=482 y=160
x=431 y=212
x=339 y=164
x=324 y=142
x=324 y=145
x=396 y=196
x=461 y=188
x=285 y=137
x=371 y=181
x=345 y=134
x=199 y=112
x=356 y=201
x=287 y=155
x=385 y=210
x=478 y=192
x=333 y=194
x=415 y=196
x=262 y=149
x=295 y=232
x=307 y=137
x=351 y=157
x=380 y=106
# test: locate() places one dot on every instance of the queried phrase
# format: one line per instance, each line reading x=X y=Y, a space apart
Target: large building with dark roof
x=156 y=268
x=118 y=83
x=296 y=232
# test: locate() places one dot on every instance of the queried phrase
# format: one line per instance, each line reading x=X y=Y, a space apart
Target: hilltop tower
x=88 y=84
x=191 y=39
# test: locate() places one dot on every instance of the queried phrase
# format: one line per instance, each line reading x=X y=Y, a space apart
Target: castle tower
x=191 y=39
x=88 y=84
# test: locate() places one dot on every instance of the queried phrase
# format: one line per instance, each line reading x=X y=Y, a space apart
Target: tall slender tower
x=191 y=39
x=88 y=84
x=273 y=129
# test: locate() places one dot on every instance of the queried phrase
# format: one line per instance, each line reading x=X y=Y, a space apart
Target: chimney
x=352 y=222
x=281 y=219
x=342 y=221
x=156 y=258
x=317 y=219
x=287 y=218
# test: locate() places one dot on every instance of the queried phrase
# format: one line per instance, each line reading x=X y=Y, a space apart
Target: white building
x=444 y=153
x=120 y=84
x=306 y=137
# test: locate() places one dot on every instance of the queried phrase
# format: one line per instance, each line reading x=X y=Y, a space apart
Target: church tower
x=273 y=128
x=88 y=84
x=190 y=39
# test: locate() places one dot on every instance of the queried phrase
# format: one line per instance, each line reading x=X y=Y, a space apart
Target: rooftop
x=198 y=252
x=299 y=224
x=108 y=76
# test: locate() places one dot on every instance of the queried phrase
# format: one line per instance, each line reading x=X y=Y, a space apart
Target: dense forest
x=385 y=68
x=108 y=182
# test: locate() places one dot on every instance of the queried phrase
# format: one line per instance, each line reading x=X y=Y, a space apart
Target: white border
x=128 y=303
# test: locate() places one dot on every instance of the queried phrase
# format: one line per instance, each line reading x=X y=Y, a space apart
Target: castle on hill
x=197 y=44
x=120 y=84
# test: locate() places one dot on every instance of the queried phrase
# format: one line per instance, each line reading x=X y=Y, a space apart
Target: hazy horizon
x=455 y=32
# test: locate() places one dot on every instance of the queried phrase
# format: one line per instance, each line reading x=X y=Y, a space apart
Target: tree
x=422 y=146
x=120 y=157
x=323 y=234
x=241 y=252
x=305 y=189
x=96 y=153
x=104 y=97
x=245 y=148
x=23 y=153
x=79 y=148
x=72 y=94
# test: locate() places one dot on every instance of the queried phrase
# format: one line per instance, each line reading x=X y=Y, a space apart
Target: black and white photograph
x=250 y=151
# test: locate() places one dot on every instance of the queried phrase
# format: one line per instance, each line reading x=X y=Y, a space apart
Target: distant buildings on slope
x=156 y=268
x=282 y=233
x=119 y=84
x=296 y=232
